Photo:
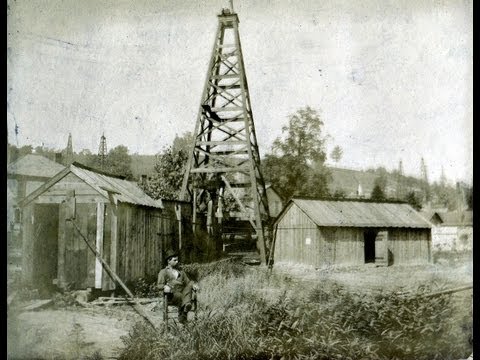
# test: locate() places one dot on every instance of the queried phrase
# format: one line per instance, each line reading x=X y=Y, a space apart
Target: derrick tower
x=400 y=192
x=224 y=157
x=69 y=151
x=424 y=177
x=102 y=151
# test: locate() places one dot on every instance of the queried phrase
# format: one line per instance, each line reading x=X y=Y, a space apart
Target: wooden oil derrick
x=424 y=177
x=102 y=151
x=224 y=157
x=69 y=151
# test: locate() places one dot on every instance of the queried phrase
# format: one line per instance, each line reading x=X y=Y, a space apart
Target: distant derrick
x=102 y=151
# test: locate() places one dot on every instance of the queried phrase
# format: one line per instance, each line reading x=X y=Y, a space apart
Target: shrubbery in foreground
x=247 y=314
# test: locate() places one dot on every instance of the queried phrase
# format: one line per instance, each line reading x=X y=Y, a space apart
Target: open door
x=45 y=246
x=369 y=237
x=381 y=248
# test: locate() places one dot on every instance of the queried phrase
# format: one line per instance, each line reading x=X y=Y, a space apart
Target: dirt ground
x=75 y=332
x=67 y=333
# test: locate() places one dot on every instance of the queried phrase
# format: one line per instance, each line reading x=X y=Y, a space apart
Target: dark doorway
x=45 y=246
x=369 y=245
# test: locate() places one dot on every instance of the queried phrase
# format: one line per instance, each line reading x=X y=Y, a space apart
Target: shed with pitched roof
x=345 y=232
x=130 y=229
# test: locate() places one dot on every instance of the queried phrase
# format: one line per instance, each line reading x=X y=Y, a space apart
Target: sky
x=392 y=79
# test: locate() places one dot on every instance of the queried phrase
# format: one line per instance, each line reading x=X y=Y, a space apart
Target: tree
x=378 y=192
x=296 y=164
x=339 y=194
x=302 y=137
x=183 y=142
x=470 y=198
x=336 y=153
x=16 y=153
x=118 y=162
x=414 y=200
x=444 y=196
x=170 y=167
x=86 y=157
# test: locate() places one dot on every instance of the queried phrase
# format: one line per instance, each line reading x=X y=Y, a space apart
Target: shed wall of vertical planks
x=300 y=240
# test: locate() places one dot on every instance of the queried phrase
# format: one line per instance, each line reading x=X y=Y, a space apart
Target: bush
x=144 y=287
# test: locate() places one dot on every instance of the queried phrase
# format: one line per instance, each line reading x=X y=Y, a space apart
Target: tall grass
x=248 y=313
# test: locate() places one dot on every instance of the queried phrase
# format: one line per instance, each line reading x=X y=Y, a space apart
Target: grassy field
x=296 y=312
x=248 y=312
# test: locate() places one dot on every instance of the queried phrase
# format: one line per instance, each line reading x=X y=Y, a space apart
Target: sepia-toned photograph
x=239 y=180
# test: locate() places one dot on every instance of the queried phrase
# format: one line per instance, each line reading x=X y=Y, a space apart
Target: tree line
x=294 y=166
x=117 y=162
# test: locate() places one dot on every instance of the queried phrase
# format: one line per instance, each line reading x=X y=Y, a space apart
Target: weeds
x=246 y=313
x=144 y=287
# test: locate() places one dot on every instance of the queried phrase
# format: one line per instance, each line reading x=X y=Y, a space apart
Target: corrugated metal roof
x=361 y=214
x=34 y=165
x=124 y=190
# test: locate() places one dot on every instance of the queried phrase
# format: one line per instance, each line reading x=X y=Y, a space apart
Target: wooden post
x=194 y=215
x=62 y=232
x=178 y=213
x=99 y=244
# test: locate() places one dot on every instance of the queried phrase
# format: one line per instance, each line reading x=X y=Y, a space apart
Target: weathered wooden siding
x=140 y=232
x=275 y=203
x=410 y=246
x=79 y=259
x=57 y=192
x=341 y=246
x=293 y=232
x=133 y=242
x=27 y=242
x=76 y=262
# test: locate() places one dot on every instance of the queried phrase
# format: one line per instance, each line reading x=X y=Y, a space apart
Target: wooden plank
x=224 y=77
x=99 y=244
x=27 y=242
x=223 y=142
x=53 y=191
x=57 y=199
x=92 y=234
x=36 y=305
x=113 y=238
x=381 y=248
x=107 y=281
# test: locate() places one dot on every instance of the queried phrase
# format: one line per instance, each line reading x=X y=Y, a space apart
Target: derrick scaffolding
x=224 y=159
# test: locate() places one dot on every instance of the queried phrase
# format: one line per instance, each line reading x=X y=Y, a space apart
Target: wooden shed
x=329 y=232
x=131 y=230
